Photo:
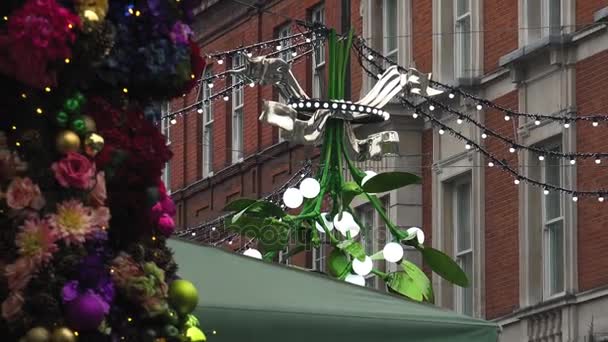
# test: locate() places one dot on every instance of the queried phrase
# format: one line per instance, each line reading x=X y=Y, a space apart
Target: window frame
x=547 y=247
x=459 y=254
x=238 y=104
x=548 y=22
x=166 y=131
x=377 y=229
x=207 y=131
x=318 y=60
x=394 y=53
x=282 y=32
x=460 y=69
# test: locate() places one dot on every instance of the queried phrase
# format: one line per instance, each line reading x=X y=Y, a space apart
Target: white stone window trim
x=567 y=10
x=207 y=133
x=318 y=15
x=166 y=131
x=445 y=172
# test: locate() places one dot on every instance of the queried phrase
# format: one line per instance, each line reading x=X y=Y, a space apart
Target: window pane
x=462 y=7
x=390 y=25
x=533 y=24
x=466 y=293
x=207 y=149
x=556 y=257
x=366 y=218
x=463 y=216
x=554 y=15
x=463 y=46
x=370 y=282
x=552 y=172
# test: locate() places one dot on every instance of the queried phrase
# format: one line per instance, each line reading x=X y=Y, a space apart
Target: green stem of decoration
x=380 y=273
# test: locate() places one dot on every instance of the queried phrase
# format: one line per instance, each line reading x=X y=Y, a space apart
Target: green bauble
x=183 y=296
x=337 y=263
x=72 y=106
x=79 y=126
x=195 y=334
x=62 y=118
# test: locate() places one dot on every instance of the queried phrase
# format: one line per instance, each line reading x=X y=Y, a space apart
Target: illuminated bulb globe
x=370 y=57
x=392 y=252
x=353 y=107
x=479 y=107
x=451 y=95
x=343 y=222
x=328 y=224
x=572 y=161
x=541 y=158
x=226 y=98
x=334 y=105
x=512 y=149
x=317 y=105
x=386 y=115
x=355 y=279
x=209 y=85
x=507 y=118
x=200 y=110
x=173 y=121
x=459 y=121
x=431 y=107
x=326 y=105
x=344 y=106
x=419 y=234
x=220 y=61
x=598 y=161
x=253 y=253
x=293 y=198
x=301 y=104
x=308 y=104
x=364 y=267
x=537 y=122
x=566 y=125
x=310 y=187
x=483 y=135
x=441 y=132
x=546 y=192
x=368 y=176
x=308 y=40
x=467 y=147
x=601 y=199
x=279 y=47
x=415 y=115
x=595 y=123
x=293 y=54
x=516 y=182
x=249 y=54
x=574 y=199
x=252 y=84
x=491 y=164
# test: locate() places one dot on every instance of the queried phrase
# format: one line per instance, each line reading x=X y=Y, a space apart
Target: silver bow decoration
x=305 y=128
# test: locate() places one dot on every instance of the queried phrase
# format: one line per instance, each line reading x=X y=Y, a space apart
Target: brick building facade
x=538 y=263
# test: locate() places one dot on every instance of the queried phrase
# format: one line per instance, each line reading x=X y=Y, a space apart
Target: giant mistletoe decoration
x=83 y=214
x=329 y=123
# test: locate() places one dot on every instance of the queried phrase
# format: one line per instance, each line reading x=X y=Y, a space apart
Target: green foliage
x=353 y=248
x=443 y=265
x=239 y=204
x=257 y=208
x=349 y=191
x=411 y=282
x=388 y=181
x=338 y=263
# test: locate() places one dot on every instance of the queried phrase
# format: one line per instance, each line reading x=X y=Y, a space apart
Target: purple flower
x=106 y=290
x=180 y=33
x=69 y=292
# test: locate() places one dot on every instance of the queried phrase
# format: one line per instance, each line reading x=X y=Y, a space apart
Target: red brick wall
x=591 y=83
x=422 y=37
x=501 y=221
x=500 y=31
x=585 y=10
x=427 y=188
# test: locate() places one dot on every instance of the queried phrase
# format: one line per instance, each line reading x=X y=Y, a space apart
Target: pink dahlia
x=18 y=274
x=36 y=241
x=11 y=307
x=75 y=223
x=23 y=193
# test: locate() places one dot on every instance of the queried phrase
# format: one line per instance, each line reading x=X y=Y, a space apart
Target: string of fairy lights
x=425 y=110
x=215 y=231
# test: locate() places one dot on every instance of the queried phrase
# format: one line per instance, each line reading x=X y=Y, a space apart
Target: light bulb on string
x=441 y=131
x=415 y=115
x=467 y=146
x=431 y=108
x=364 y=267
x=546 y=192
x=491 y=164
x=220 y=61
x=512 y=149
x=541 y=157
x=279 y=47
x=598 y=160
x=293 y=198
x=516 y=181
x=451 y=95
x=252 y=84
x=393 y=252
x=210 y=85
x=200 y=110
x=507 y=118
x=355 y=279
x=484 y=135
x=459 y=121
x=595 y=124
x=294 y=53
x=600 y=198
x=479 y=106
x=572 y=161
x=173 y=121
x=226 y=98
x=370 y=57
x=308 y=40
x=310 y=188
x=537 y=122
x=566 y=124
x=253 y=253
x=574 y=199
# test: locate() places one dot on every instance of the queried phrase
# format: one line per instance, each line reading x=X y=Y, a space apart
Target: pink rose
x=75 y=170
x=23 y=193
x=166 y=225
x=11 y=307
x=99 y=194
x=18 y=275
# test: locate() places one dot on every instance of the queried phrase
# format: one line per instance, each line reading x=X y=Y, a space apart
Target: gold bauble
x=37 y=334
x=63 y=334
x=93 y=144
x=93 y=10
x=68 y=141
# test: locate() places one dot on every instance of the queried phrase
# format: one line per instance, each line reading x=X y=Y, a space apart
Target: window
x=319 y=256
x=165 y=130
x=373 y=237
x=552 y=226
x=238 y=98
x=462 y=28
x=390 y=29
x=542 y=18
x=463 y=242
x=318 y=64
x=207 y=128
x=285 y=31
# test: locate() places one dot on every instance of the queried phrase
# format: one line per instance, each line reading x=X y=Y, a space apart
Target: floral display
x=84 y=217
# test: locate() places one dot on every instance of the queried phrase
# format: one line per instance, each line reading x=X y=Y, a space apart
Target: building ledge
x=601 y=15
x=533 y=49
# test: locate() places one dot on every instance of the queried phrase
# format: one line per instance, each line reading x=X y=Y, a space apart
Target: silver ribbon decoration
x=306 y=128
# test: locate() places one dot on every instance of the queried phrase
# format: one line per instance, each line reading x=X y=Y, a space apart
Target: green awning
x=244 y=300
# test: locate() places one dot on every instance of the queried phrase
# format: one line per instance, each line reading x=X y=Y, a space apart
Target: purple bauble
x=85 y=312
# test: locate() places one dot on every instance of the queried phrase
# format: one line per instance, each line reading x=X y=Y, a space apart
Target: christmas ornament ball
x=37 y=334
x=183 y=296
x=85 y=312
x=67 y=141
x=63 y=334
x=93 y=144
x=195 y=334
